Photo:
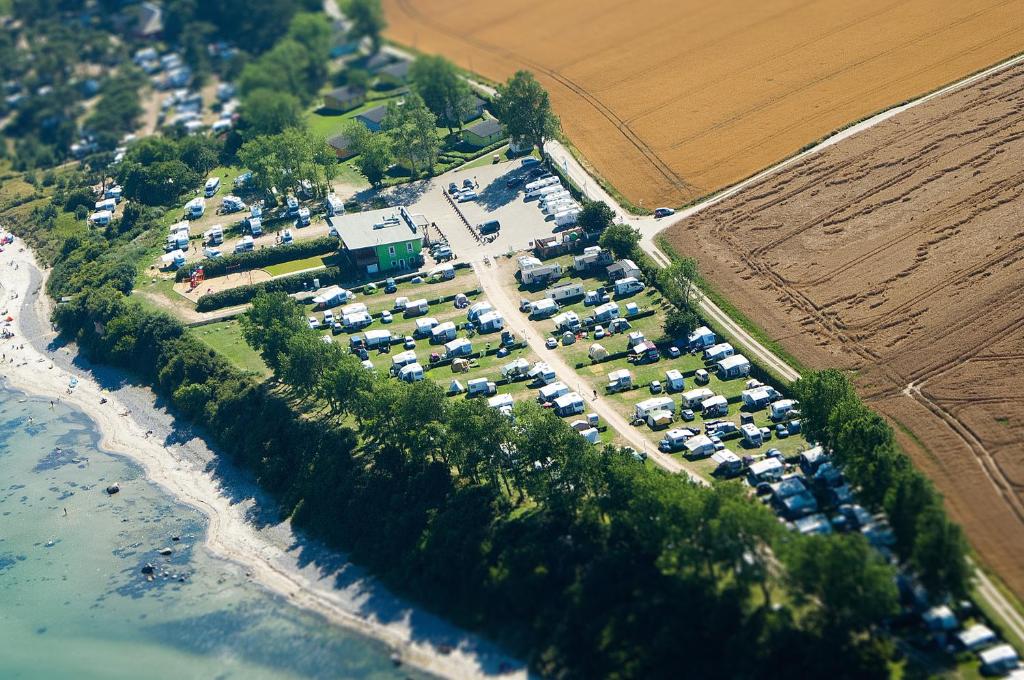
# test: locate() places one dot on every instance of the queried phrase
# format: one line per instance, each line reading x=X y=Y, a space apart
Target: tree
x=413 y=132
x=368 y=21
x=199 y=152
x=305 y=359
x=446 y=94
x=819 y=393
x=621 y=239
x=268 y=112
x=313 y=31
x=596 y=216
x=270 y=322
x=678 y=281
x=374 y=152
x=679 y=323
x=940 y=554
x=525 y=110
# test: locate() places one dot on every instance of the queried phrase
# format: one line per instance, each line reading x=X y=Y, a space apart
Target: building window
x=391 y=250
x=408 y=247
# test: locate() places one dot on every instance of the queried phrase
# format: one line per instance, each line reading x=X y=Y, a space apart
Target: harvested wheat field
x=899 y=254
x=670 y=100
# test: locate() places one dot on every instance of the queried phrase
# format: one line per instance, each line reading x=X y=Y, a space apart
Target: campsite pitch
x=670 y=101
x=899 y=254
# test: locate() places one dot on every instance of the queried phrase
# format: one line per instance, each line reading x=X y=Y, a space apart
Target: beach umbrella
x=9 y=318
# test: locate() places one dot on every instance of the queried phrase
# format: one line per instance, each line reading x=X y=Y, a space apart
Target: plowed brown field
x=673 y=99
x=899 y=254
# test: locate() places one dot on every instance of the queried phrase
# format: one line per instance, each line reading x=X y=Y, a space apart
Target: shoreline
x=304 y=572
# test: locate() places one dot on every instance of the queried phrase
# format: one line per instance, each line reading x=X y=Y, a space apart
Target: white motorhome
x=459 y=347
x=628 y=286
x=411 y=373
x=425 y=325
x=752 y=434
x=480 y=387
x=244 y=245
x=542 y=309
x=540 y=183
x=541 y=373
x=673 y=380
x=781 y=408
x=551 y=392
x=211 y=187
x=543 y=191
x=214 y=235
x=693 y=398
x=502 y=402
x=569 y=405
x=101 y=217
x=567 y=217
x=648 y=406
x=195 y=208
x=376 y=339
x=606 y=312
x=567 y=321
x=333 y=205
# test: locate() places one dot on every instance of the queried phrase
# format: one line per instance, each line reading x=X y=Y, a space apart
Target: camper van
x=693 y=398
x=459 y=347
x=541 y=183
x=542 y=309
x=628 y=286
x=543 y=191
x=736 y=366
x=232 y=204
x=332 y=297
x=211 y=187
x=781 y=408
x=569 y=405
x=752 y=435
x=606 y=312
x=255 y=226
x=700 y=446
x=727 y=463
x=416 y=307
x=106 y=204
x=619 y=380
x=541 y=374
x=714 y=406
x=718 y=352
x=214 y=235
x=480 y=387
x=101 y=217
x=489 y=322
x=674 y=440
x=549 y=393
x=333 y=205
x=195 y=208
x=245 y=245
x=302 y=217
x=424 y=326
x=648 y=406
x=568 y=217
x=673 y=381
x=567 y=321
x=378 y=339
x=411 y=373
x=442 y=332
x=566 y=291
x=402 y=359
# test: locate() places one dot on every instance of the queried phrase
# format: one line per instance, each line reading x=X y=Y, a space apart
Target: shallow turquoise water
x=74 y=602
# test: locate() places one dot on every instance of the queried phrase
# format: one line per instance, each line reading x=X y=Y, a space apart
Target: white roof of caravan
x=456 y=343
x=699 y=393
x=404 y=357
x=377 y=334
x=701 y=332
x=720 y=347
x=751 y=429
x=678 y=433
x=655 y=403
x=714 y=401
x=698 y=442
x=328 y=294
x=476 y=381
x=354 y=308
x=410 y=369
x=673 y=374
x=626 y=280
x=568 y=400
x=554 y=388
x=539 y=367
x=997 y=654
x=528 y=262
x=480 y=307
x=566 y=316
x=420 y=302
x=765 y=465
x=197 y=201
x=172 y=256
x=543 y=303
x=733 y=361
x=783 y=403
x=500 y=400
x=976 y=634
x=724 y=456
x=446 y=267
x=516 y=365
x=355 y=316
x=442 y=327
x=490 y=316
x=619 y=374
x=760 y=393
x=606 y=307
x=426 y=322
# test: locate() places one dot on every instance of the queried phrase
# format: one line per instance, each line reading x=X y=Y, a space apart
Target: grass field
x=226 y=338
x=672 y=101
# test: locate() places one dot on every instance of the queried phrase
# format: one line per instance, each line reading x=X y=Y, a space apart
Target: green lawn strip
x=225 y=337
x=328 y=260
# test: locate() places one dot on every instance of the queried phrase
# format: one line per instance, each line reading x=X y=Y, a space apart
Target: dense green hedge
x=263 y=257
x=287 y=284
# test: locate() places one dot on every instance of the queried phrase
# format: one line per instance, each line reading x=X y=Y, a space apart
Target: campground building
x=383 y=240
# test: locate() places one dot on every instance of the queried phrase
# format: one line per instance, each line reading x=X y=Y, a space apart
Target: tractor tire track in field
x=677 y=182
x=900 y=254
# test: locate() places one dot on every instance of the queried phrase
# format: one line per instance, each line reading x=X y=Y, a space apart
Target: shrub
x=264 y=257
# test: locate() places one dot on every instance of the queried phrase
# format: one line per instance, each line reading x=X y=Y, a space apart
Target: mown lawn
x=305 y=263
x=226 y=338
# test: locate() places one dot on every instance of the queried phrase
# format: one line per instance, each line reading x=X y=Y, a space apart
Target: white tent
x=597 y=352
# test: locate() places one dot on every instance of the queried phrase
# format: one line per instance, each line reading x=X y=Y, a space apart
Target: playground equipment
x=196 y=277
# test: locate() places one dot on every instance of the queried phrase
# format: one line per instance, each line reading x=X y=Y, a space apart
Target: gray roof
x=357 y=229
x=399 y=69
x=340 y=142
x=376 y=114
x=485 y=128
x=346 y=92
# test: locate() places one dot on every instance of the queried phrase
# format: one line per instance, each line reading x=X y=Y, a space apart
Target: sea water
x=75 y=603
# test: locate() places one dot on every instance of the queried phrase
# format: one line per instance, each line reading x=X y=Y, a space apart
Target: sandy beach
x=243 y=526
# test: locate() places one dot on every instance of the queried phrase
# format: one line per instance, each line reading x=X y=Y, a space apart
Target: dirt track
x=899 y=254
x=673 y=100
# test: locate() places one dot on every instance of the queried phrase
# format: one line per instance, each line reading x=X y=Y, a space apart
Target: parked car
x=529 y=160
x=599 y=332
x=314 y=322
x=468 y=184
x=673 y=352
x=453 y=188
x=664 y=212
x=390 y=286
x=781 y=431
x=687 y=414
x=656 y=387
x=701 y=377
x=409 y=343
x=385 y=317
x=551 y=343
x=468 y=195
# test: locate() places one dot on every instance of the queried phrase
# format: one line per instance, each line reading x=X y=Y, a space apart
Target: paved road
x=495 y=285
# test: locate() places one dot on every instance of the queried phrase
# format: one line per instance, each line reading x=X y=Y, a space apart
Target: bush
x=263 y=257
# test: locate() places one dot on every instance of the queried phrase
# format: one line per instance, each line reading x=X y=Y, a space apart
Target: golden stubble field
x=670 y=100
